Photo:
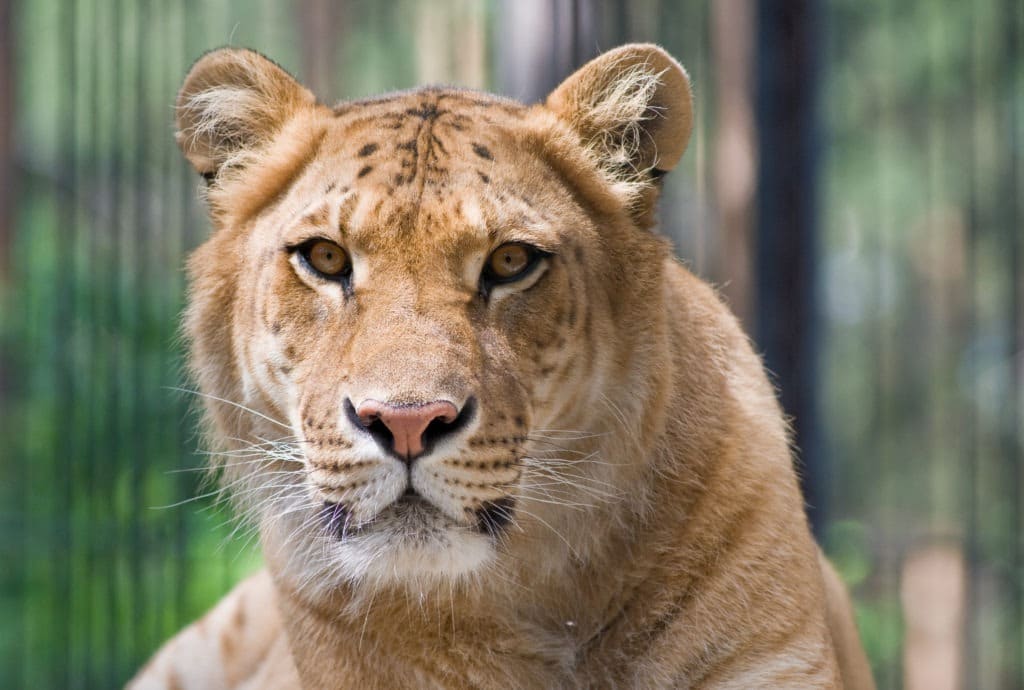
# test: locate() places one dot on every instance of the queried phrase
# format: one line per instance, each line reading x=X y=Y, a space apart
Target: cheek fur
x=539 y=323
x=298 y=317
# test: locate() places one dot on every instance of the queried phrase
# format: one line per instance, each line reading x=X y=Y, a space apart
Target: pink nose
x=407 y=423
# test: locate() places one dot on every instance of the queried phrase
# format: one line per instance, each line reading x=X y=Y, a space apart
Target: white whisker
x=233 y=403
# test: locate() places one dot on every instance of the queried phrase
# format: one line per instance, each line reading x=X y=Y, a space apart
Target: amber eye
x=326 y=258
x=510 y=261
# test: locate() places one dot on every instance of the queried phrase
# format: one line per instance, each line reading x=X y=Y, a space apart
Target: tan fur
x=657 y=536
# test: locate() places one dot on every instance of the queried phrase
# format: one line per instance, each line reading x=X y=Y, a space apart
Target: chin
x=408 y=545
x=411 y=543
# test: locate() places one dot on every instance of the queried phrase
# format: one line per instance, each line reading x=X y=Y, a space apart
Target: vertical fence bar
x=7 y=177
x=12 y=514
x=176 y=180
x=787 y=127
x=64 y=184
x=734 y=161
x=1011 y=228
x=972 y=624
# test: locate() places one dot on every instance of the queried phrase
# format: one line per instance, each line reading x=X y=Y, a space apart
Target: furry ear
x=232 y=103
x=633 y=110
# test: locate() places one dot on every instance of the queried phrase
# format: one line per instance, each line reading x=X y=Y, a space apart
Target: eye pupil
x=510 y=261
x=327 y=258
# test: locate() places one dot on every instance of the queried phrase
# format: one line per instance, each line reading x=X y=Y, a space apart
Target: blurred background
x=853 y=187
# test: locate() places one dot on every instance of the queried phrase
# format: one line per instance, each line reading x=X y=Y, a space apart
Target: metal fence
x=853 y=187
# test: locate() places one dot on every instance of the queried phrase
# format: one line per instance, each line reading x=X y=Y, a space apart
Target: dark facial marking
x=366 y=169
x=483 y=178
x=335 y=518
x=367 y=150
x=426 y=111
x=483 y=152
x=494 y=516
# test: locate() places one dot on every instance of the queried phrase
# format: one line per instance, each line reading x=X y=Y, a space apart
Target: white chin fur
x=408 y=545
x=412 y=544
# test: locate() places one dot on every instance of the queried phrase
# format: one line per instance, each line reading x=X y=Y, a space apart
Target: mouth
x=413 y=513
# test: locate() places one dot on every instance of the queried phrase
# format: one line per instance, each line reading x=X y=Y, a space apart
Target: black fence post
x=786 y=327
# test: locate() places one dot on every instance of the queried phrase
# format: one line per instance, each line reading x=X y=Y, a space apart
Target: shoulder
x=240 y=643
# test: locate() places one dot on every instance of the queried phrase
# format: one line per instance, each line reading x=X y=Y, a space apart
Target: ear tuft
x=232 y=103
x=633 y=110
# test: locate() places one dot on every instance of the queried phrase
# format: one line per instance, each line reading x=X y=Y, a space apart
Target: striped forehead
x=470 y=220
x=422 y=142
x=426 y=162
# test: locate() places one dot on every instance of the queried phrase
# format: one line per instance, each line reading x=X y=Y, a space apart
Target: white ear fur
x=232 y=103
x=633 y=110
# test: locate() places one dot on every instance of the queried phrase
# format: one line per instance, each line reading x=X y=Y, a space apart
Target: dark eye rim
x=304 y=248
x=489 y=279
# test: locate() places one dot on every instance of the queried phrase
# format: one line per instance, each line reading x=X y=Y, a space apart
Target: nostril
x=449 y=424
x=369 y=420
x=379 y=430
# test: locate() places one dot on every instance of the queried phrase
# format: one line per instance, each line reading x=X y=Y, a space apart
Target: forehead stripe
x=483 y=152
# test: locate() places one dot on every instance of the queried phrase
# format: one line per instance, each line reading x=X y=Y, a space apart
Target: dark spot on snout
x=366 y=170
x=367 y=150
